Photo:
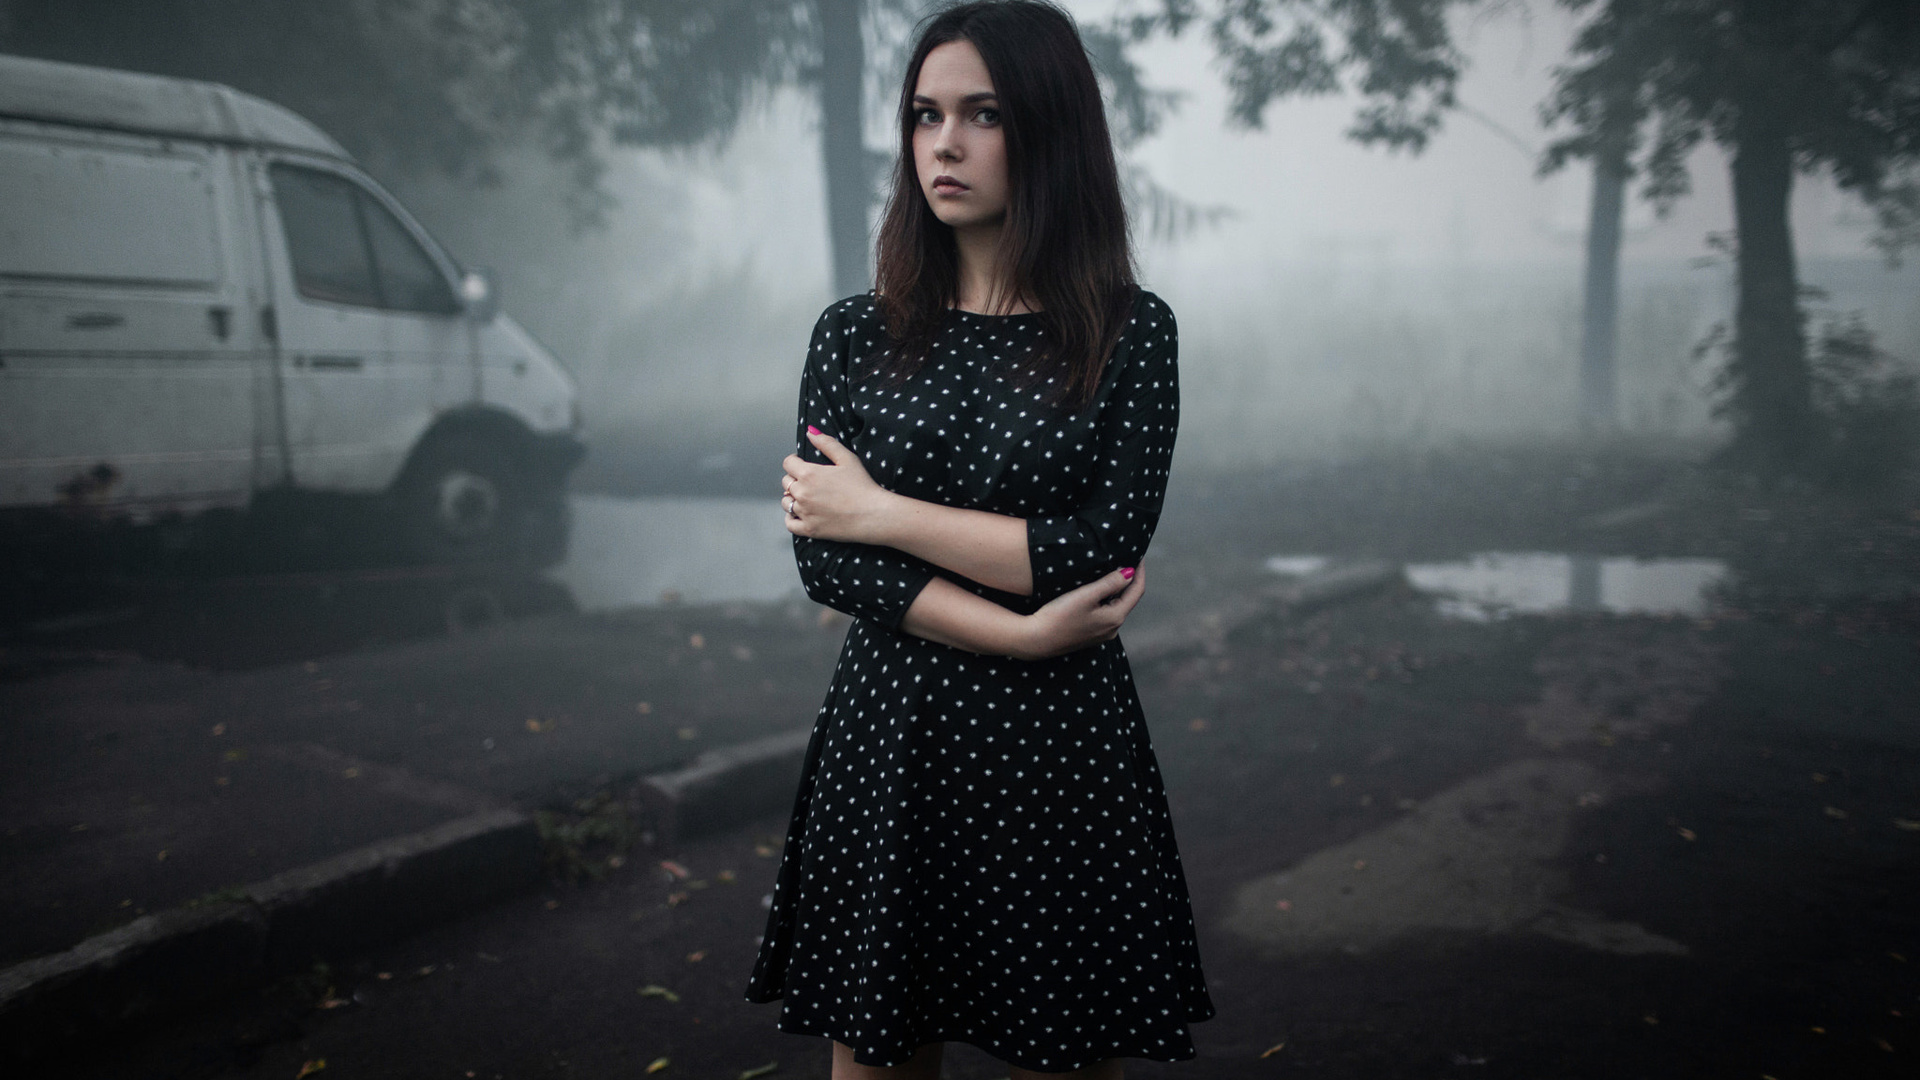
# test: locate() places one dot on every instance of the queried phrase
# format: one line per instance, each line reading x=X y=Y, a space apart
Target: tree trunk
x=842 y=150
x=1600 y=310
x=1771 y=393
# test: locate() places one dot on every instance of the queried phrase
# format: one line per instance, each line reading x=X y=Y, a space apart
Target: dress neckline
x=965 y=314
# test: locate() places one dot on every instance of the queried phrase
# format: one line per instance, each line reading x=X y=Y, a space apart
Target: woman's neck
x=980 y=286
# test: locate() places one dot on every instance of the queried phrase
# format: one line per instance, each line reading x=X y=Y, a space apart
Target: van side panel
x=126 y=369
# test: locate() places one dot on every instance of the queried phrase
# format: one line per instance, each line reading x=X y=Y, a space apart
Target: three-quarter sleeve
x=866 y=581
x=1115 y=521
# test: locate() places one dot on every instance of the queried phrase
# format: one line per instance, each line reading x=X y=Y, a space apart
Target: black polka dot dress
x=980 y=848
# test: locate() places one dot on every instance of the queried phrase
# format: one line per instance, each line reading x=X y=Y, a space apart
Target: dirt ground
x=1562 y=845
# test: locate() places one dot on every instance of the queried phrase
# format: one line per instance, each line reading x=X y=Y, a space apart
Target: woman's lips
x=947 y=185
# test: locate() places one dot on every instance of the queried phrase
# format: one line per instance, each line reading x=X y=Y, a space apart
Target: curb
x=728 y=786
x=1208 y=631
x=162 y=964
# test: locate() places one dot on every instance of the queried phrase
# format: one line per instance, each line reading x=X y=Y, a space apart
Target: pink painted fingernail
x=811 y=430
x=1127 y=572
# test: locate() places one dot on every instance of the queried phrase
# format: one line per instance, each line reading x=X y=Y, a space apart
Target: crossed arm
x=841 y=501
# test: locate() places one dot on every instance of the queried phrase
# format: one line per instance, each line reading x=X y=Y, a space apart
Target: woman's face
x=959 y=147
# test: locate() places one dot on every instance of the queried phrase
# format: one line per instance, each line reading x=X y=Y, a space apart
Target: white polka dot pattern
x=980 y=849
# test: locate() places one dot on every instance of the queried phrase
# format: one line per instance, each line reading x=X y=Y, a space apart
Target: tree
x=444 y=86
x=1785 y=87
x=1402 y=61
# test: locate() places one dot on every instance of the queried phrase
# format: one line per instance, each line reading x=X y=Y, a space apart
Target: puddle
x=1297 y=565
x=632 y=552
x=1492 y=585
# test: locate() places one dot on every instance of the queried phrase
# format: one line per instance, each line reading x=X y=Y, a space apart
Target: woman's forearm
x=946 y=613
x=985 y=547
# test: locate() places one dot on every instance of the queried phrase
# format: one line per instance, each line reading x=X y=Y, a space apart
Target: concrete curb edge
x=167 y=962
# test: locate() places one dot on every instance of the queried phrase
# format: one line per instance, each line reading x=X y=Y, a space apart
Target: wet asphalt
x=1548 y=845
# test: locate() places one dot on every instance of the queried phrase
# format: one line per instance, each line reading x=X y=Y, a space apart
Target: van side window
x=409 y=281
x=348 y=249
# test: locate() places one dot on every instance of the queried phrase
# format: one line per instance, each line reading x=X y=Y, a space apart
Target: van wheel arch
x=474 y=491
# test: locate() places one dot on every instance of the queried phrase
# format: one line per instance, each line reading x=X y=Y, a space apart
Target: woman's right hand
x=1086 y=616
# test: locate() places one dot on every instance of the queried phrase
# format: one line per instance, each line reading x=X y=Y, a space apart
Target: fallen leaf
x=1906 y=824
x=698 y=641
x=1359 y=864
x=660 y=992
x=1818 y=1030
x=679 y=872
x=697 y=883
x=658 y=1063
x=676 y=899
x=687 y=733
x=219 y=729
x=488 y=957
x=1651 y=1019
x=551 y=904
x=761 y=850
x=1198 y=723
x=1274 y=1049
x=1834 y=812
x=335 y=1003
x=742 y=653
x=1901 y=957
x=1336 y=779
x=1884 y=1045
x=1283 y=905
x=696 y=956
x=1819 y=778
x=644 y=708
x=758 y=1070
x=423 y=972
x=235 y=755
x=1590 y=798
x=725 y=877
x=383 y=976
x=351 y=772
x=1689 y=834
x=162 y=856
x=312 y=1066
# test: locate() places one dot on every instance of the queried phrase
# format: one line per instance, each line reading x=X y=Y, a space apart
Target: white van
x=203 y=300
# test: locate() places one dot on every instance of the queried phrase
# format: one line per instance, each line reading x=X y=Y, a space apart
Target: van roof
x=113 y=100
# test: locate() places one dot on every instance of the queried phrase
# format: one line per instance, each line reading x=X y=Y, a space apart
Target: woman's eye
x=927 y=116
x=988 y=116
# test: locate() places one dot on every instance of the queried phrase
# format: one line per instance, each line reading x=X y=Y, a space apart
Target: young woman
x=980 y=848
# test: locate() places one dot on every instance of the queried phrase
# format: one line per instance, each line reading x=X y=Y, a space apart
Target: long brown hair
x=1065 y=242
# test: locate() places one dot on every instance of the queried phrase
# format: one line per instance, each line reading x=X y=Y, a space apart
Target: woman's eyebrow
x=970 y=99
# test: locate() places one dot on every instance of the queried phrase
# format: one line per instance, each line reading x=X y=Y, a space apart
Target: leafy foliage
x=1842 y=77
x=1398 y=54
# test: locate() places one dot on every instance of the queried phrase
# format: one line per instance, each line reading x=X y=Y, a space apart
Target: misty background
x=1354 y=297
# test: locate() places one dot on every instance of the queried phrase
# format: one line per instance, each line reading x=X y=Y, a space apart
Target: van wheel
x=465 y=500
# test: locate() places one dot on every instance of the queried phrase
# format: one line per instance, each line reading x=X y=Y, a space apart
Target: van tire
x=466 y=500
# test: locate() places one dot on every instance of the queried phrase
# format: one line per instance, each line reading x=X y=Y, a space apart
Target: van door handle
x=335 y=363
x=221 y=318
x=96 y=320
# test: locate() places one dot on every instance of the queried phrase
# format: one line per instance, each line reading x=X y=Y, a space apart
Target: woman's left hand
x=832 y=502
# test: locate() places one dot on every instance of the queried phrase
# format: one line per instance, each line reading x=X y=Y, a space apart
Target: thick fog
x=409 y=670
x=1355 y=296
